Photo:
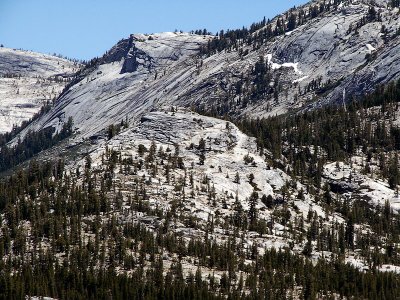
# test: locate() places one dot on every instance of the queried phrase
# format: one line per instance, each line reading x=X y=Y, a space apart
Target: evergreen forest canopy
x=58 y=209
x=32 y=143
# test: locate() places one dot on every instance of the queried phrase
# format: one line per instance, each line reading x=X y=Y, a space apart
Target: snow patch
x=370 y=48
x=276 y=66
x=300 y=79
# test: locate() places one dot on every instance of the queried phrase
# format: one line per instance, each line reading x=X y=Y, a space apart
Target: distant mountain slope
x=27 y=81
x=335 y=52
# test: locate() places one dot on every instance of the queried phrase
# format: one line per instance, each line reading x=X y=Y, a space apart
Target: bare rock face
x=135 y=58
x=118 y=52
x=382 y=67
x=131 y=56
x=147 y=52
x=135 y=76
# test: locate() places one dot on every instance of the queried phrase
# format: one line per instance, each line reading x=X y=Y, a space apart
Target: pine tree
x=253 y=213
x=237 y=178
x=394 y=174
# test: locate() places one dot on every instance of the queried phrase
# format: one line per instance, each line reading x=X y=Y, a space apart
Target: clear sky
x=84 y=29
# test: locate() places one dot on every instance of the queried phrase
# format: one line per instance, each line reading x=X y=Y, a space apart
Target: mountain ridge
x=317 y=63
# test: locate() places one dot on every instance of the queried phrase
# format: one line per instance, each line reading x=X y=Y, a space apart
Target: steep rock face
x=112 y=91
x=341 y=53
x=383 y=68
x=27 y=80
x=143 y=51
x=132 y=56
x=134 y=59
x=333 y=57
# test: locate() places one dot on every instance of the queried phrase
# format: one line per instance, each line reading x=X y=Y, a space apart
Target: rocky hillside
x=180 y=193
x=27 y=81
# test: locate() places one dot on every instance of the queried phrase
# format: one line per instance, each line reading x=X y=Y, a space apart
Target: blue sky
x=84 y=29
